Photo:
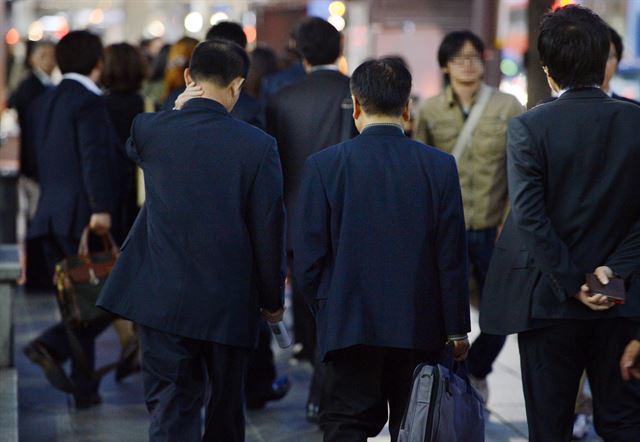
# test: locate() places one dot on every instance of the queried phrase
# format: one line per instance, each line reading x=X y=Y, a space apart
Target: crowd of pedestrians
x=220 y=172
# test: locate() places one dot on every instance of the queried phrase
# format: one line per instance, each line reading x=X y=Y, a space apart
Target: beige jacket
x=482 y=166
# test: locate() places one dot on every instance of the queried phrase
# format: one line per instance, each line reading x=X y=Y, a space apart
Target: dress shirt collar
x=324 y=67
x=383 y=129
x=45 y=79
x=83 y=80
x=206 y=103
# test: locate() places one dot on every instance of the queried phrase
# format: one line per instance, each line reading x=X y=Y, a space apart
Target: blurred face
x=44 y=58
x=466 y=66
x=611 y=67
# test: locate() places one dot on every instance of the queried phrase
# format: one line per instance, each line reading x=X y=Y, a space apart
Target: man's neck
x=370 y=120
x=465 y=92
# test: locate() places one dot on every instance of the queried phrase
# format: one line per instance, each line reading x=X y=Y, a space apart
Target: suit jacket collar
x=583 y=92
x=382 y=129
x=206 y=103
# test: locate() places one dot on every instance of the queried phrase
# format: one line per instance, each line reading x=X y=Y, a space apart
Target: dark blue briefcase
x=443 y=407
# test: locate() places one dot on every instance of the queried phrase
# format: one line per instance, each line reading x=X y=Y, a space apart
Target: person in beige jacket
x=469 y=120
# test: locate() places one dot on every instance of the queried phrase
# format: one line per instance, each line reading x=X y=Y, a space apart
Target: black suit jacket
x=78 y=160
x=379 y=246
x=29 y=89
x=207 y=250
x=305 y=117
x=575 y=205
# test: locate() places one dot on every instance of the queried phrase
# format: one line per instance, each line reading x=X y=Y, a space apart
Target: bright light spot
x=12 y=37
x=337 y=8
x=337 y=22
x=96 y=17
x=251 y=33
x=562 y=3
x=193 y=22
x=508 y=67
x=218 y=17
x=35 y=31
x=156 y=28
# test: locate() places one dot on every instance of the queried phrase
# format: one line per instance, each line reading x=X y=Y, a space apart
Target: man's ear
x=236 y=86
x=187 y=77
x=406 y=112
x=357 y=108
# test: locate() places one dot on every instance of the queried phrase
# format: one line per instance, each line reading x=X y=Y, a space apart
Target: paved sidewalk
x=47 y=415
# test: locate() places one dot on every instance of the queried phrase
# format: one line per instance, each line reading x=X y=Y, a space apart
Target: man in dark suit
x=575 y=209
x=305 y=117
x=247 y=108
x=42 y=62
x=380 y=255
x=206 y=253
x=76 y=156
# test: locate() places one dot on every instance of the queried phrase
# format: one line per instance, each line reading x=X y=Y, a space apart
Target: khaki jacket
x=482 y=166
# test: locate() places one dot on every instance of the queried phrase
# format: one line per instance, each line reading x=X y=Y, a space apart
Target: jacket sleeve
x=94 y=136
x=451 y=249
x=311 y=237
x=625 y=260
x=266 y=226
x=526 y=170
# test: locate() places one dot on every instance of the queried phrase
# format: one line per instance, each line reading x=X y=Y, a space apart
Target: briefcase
x=80 y=278
x=443 y=407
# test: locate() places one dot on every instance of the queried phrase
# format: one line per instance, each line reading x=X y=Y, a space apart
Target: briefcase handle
x=109 y=244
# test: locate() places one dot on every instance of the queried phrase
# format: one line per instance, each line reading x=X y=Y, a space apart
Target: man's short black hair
x=453 y=43
x=318 y=41
x=79 y=52
x=219 y=61
x=616 y=41
x=382 y=86
x=574 y=46
x=228 y=30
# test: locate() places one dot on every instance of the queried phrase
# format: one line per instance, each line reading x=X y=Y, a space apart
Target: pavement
x=45 y=414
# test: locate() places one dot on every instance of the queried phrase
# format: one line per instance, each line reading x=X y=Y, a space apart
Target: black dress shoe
x=83 y=402
x=129 y=361
x=38 y=354
x=279 y=389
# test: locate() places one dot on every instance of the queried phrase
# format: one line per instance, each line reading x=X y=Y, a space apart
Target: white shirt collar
x=562 y=91
x=83 y=80
x=43 y=77
x=324 y=67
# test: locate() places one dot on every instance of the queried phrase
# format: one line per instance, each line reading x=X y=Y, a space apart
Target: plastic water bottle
x=281 y=334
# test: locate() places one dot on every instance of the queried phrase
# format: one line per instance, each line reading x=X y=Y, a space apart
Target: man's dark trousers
x=486 y=347
x=363 y=386
x=552 y=360
x=55 y=338
x=180 y=375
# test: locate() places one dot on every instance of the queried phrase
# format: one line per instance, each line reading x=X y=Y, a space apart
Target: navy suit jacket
x=575 y=205
x=207 y=250
x=78 y=160
x=379 y=245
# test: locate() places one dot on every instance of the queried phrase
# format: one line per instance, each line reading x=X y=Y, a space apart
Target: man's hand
x=595 y=301
x=272 y=317
x=604 y=274
x=630 y=361
x=100 y=223
x=192 y=91
x=460 y=349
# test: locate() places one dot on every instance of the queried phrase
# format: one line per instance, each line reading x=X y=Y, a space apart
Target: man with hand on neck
x=380 y=256
x=206 y=253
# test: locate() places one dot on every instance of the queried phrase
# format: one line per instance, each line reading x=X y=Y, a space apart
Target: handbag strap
x=109 y=244
x=464 y=139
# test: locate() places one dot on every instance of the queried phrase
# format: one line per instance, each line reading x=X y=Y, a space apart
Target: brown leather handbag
x=80 y=278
